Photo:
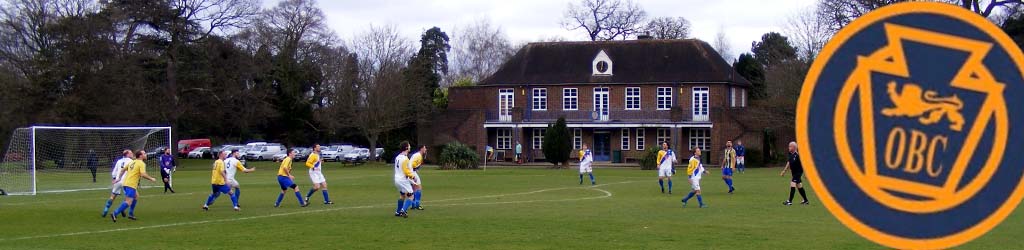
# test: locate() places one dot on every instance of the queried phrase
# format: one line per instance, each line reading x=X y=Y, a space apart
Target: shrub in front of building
x=458 y=156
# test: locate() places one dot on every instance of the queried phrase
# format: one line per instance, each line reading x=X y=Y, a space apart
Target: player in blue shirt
x=741 y=165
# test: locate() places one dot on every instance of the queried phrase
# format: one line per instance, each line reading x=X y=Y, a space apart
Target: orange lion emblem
x=927 y=106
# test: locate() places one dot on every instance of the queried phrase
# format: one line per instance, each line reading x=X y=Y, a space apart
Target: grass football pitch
x=500 y=208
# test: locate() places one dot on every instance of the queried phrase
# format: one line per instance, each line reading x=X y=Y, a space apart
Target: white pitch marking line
x=89 y=199
x=606 y=195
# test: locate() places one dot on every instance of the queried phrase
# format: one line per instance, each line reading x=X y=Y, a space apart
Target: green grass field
x=493 y=209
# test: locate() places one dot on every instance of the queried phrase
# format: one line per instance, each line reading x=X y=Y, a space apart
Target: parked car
x=264 y=152
x=303 y=153
x=250 y=146
x=357 y=155
x=335 y=153
x=377 y=152
x=157 y=151
x=187 y=146
x=216 y=150
x=200 y=152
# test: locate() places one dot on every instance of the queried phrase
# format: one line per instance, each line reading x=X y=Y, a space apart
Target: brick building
x=624 y=96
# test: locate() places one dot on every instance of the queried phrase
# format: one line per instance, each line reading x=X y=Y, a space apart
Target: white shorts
x=586 y=169
x=695 y=183
x=117 y=188
x=416 y=179
x=317 y=177
x=231 y=183
x=665 y=172
x=404 y=185
x=739 y=160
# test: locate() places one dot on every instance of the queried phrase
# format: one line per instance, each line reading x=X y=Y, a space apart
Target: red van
x=185 y=146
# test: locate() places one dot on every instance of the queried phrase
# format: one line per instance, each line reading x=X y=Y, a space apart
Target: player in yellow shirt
x=286 y=180
x=317 y=175
x=218 y=182
x=728 y=165
x=694 y=171
x=417 y=184
x=131 y=176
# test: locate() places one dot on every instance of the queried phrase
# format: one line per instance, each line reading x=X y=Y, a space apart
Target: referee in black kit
x=798 y=173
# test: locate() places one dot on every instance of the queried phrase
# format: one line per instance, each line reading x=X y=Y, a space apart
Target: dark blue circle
x=861 y=206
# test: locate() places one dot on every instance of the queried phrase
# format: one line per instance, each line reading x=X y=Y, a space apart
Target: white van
x=263 y=152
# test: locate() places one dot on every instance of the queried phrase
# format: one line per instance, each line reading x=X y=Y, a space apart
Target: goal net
x=44 y=159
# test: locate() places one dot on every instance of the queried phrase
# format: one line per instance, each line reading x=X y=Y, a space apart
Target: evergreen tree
x=557 y=144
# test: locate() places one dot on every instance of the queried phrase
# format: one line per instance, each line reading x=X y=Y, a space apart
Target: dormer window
x=602 y=64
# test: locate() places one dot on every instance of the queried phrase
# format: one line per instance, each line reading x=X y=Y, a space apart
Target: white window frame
x=663 y=135
x=506 y=101
x=732 y=97
x=540 y=99
x=633 y=99
x=625 y=140
x=570 y=99
x=743 y=97
x=640 y=140
x=700 y=137
x=504 y=139
x=602 y=105
x=664 y=98
x=538 y=138
x=701 y=104
x=577 y=138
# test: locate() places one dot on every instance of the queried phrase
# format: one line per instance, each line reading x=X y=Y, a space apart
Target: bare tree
x=988 y=9
x=668 y=28
x=380 y=103
x=23 y=24
x=808 y=32
x=838 y=13
x=479 y=49
x=722 y=45
x=605 y=19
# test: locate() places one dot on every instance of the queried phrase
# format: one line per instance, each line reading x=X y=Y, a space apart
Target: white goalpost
x=51 y=159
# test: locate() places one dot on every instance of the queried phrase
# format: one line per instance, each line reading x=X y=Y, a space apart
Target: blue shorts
x=285 y=182
x=726 y=171
x=220 y=188
x=130 y=192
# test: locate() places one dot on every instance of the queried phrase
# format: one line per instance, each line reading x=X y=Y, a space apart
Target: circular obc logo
x=904 y=120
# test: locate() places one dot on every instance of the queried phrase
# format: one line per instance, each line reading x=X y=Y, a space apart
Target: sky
x=743 y=21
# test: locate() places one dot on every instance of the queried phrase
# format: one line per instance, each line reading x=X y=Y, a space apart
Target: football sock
x=406 y=205
x=213 y=196
x=310 y=194
x=298 y=196
x=581 y=178
x=688 y=196
x=120 y=209
x=131 y=209
x=416 y=198
x=802 y=194
x=234 y=199
x=700 y=200
x=728 y=182
x=326 y=197
x=592 y=179
x=670 y=186
x=238 y=193
x=791 y=191
x=398 y=208
x=279 y=198
x=662 y=184
x=106 y=208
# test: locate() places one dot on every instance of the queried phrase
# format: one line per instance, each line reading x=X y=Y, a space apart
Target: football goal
x=48 y=159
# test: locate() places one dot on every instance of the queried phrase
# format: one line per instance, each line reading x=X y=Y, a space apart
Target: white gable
x=602 y=60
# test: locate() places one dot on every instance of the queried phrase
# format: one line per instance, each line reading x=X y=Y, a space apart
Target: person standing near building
x=167 y=165
x=741 y=165
x=728 y=165
x=519 y=153
x=798 y=172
